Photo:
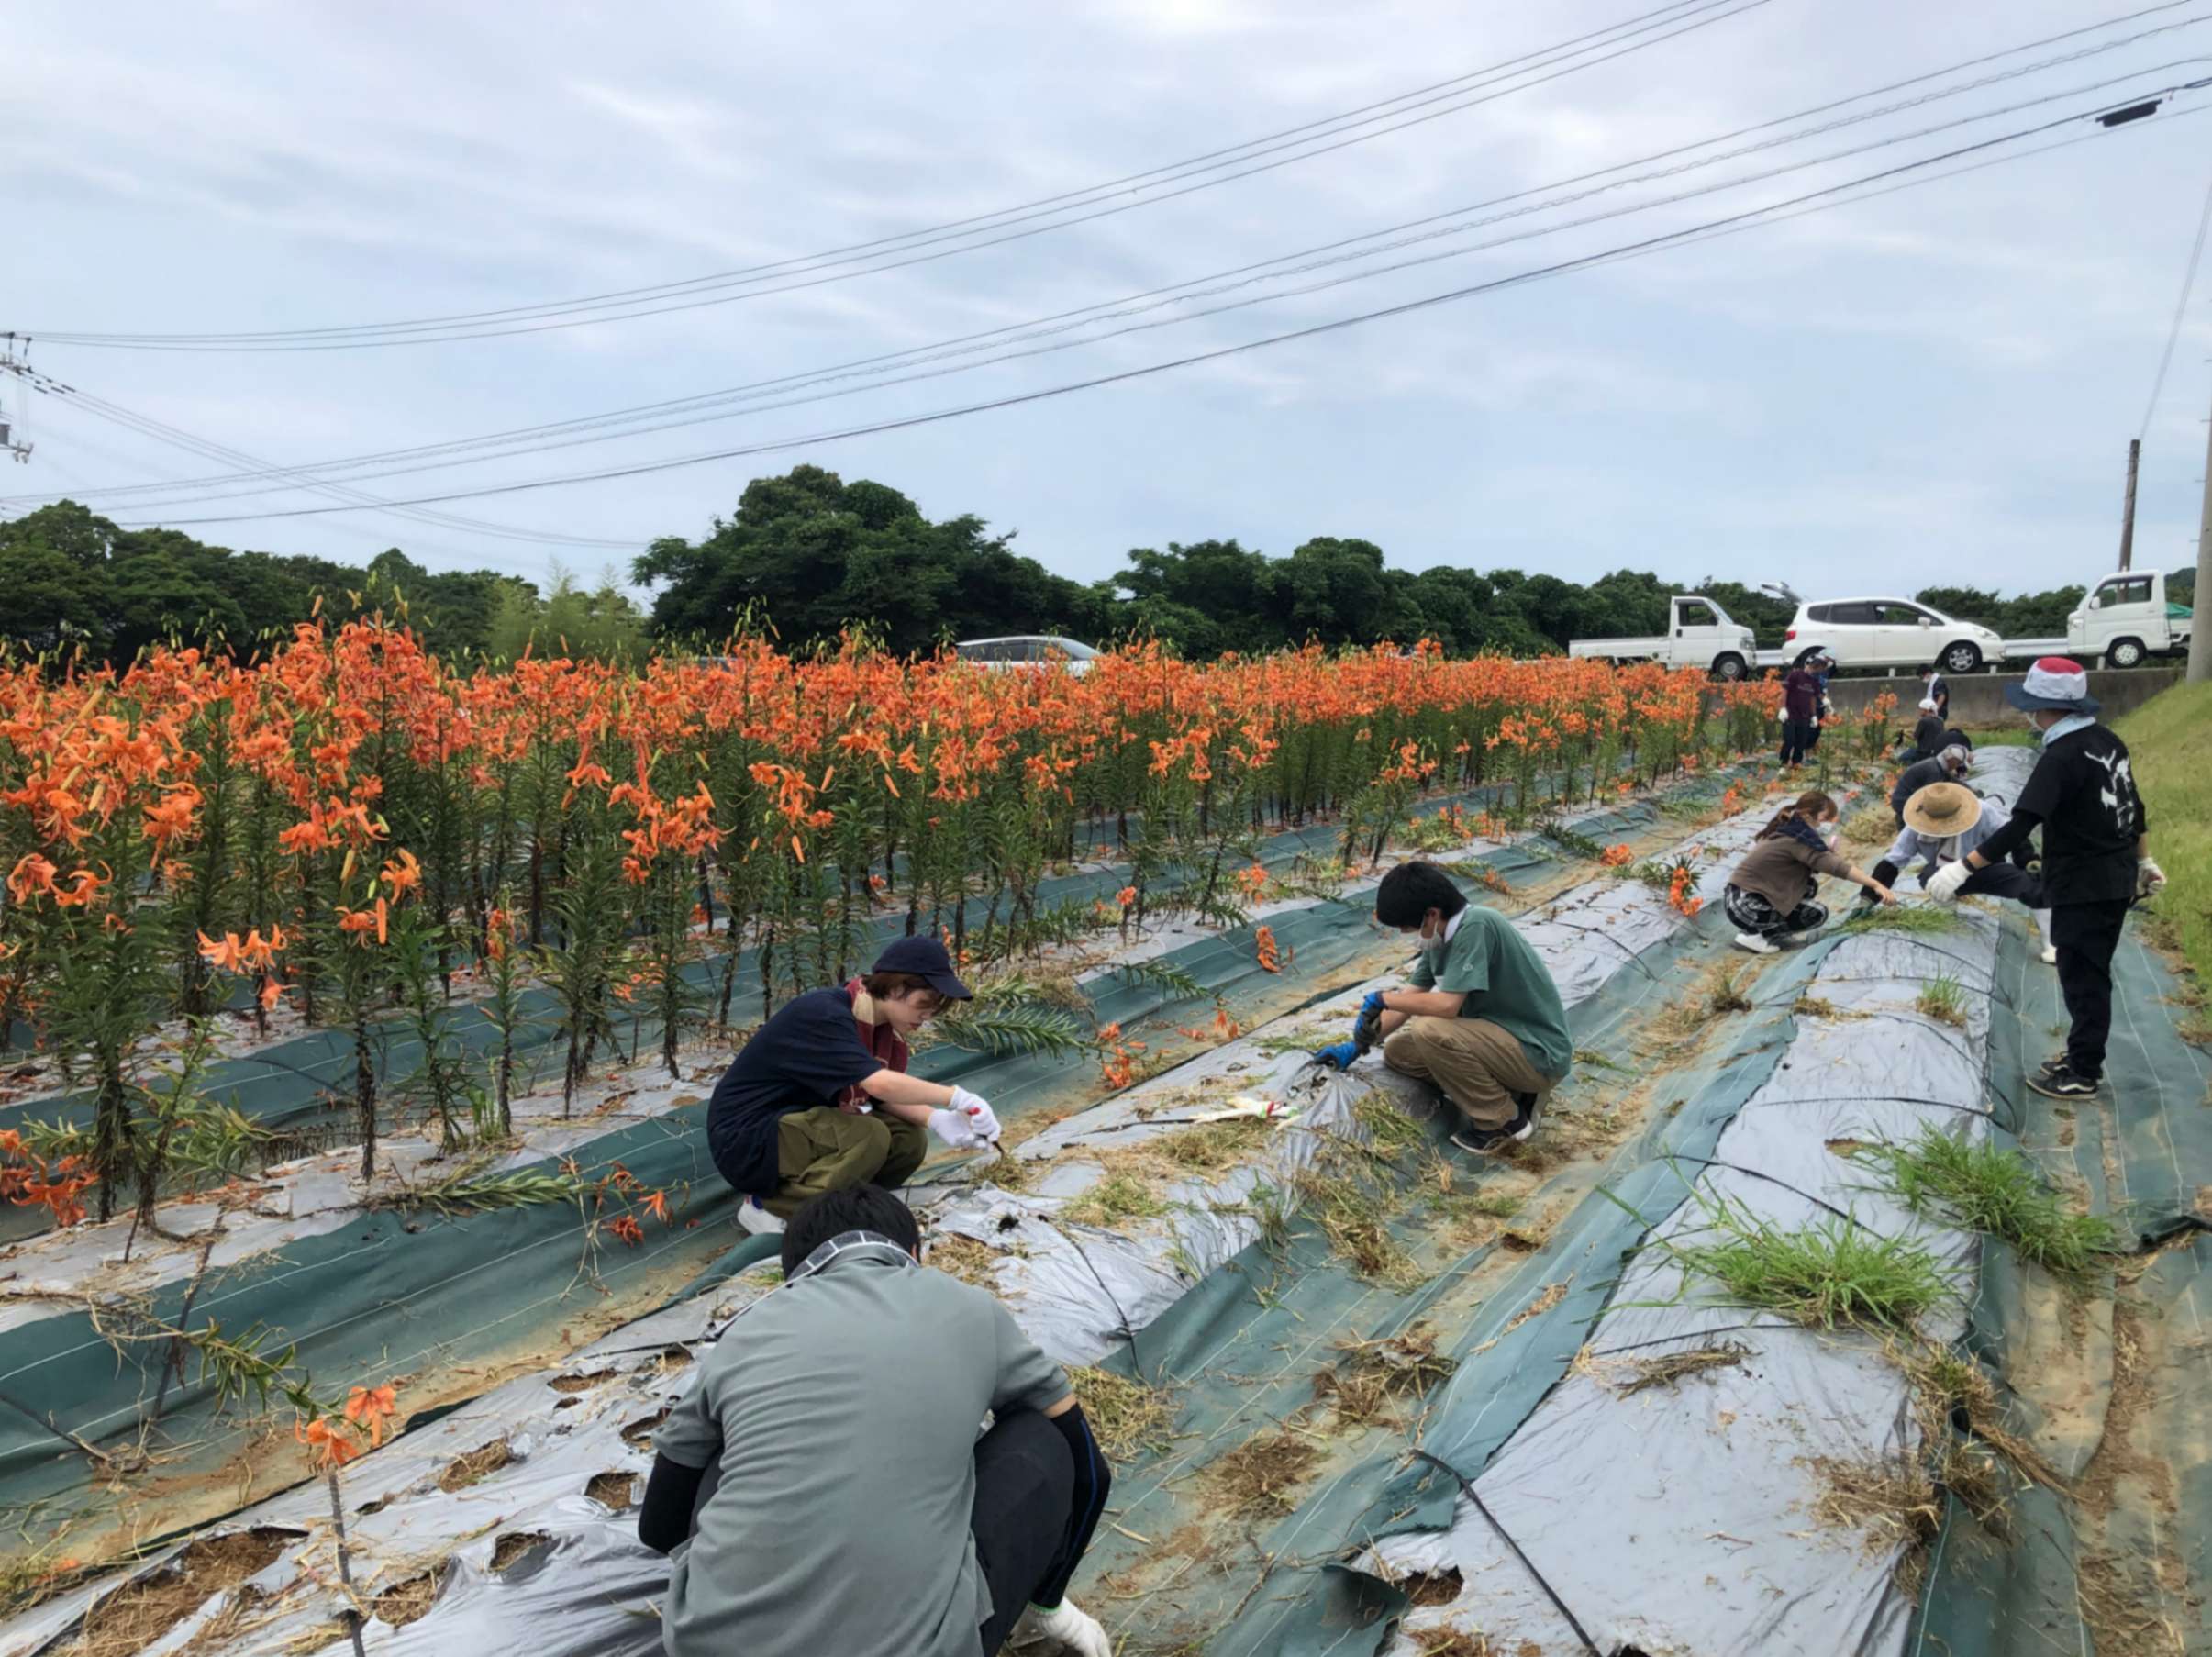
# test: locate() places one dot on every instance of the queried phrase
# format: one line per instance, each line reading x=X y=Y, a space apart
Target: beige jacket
x=1781 y=869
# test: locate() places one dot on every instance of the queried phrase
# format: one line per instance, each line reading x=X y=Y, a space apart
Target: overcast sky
x=1935 y=385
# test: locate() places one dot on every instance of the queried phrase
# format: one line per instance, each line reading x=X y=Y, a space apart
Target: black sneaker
x=2063 y=1084
x=1485 y=1141
x=2057 y=1061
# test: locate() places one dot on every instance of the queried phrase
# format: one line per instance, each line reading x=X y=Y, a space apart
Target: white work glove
x=2150 y=879
x=1075 y=1631
x=954 y=1128
x=1944 y=884
x=979 y=1115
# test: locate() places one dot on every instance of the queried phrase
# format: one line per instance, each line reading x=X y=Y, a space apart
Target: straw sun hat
x=1942 y=809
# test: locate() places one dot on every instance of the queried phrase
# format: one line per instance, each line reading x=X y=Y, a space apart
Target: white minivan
x=2127 y=617
x=1888 y=632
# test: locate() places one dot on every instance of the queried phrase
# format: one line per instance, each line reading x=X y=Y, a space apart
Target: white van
x=2126 y=618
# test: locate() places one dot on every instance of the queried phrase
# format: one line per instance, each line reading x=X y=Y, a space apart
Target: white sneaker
x=1757 y=944
x=757 y=1219
x=2049 y=956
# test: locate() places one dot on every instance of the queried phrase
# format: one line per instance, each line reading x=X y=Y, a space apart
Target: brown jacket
x=1781 y=869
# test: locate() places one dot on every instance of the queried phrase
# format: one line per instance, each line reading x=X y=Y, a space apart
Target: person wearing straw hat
x=1948 y=766
x=2096 y=857
x=1941 y=823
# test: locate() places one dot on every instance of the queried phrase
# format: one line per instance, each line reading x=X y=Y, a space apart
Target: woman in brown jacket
x=1771 y=894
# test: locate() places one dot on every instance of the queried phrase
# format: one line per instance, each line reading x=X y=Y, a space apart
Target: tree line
x=810 y=555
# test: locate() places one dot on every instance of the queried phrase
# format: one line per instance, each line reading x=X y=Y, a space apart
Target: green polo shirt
x=844 y=1409
x=1505 y=981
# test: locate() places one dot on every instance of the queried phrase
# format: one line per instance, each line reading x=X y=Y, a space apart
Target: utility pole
x=11 y=365
x=2200 y=647
x=2135 y=454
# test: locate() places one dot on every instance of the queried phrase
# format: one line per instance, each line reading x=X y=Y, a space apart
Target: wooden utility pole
x=2135 y=454
x=2200 y=647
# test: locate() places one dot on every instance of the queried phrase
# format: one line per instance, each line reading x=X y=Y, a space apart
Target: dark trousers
x=2086 y=935
x=1797 y=738
x=1023 y=1523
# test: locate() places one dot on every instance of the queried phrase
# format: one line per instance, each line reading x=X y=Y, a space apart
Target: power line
x=1698 y=14
x=2173 y=332
x=1563 y=267
x=176 y=437
x=704 y=406
x=1338 y=280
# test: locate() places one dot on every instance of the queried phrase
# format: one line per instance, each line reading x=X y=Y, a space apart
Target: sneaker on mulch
x=1483 y=1142
x=2063 y=1083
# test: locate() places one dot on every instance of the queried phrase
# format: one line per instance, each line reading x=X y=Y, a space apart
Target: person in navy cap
x=819 y=1098
x=2096 y=859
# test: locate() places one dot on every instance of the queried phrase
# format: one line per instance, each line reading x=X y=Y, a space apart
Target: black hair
x=1410 y=890
x=850 y=1208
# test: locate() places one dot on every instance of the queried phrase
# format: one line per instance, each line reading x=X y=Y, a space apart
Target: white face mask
x=1828 y=832
x=1433 y=946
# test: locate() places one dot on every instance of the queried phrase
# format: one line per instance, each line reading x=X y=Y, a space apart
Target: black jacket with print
x=2082 y=793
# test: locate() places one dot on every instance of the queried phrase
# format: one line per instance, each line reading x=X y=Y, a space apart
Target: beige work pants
x=1476 y=1064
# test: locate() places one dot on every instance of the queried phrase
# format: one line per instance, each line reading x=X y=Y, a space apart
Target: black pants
x=1024 y=1527
x=1797 y=738
x=2005 y=881
x=2086 y=935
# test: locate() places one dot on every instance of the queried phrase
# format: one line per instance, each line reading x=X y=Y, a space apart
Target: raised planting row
x=136 y=1388
x=598 y=1577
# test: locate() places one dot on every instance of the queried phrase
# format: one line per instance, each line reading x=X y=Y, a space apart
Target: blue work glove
x=1339 y=1057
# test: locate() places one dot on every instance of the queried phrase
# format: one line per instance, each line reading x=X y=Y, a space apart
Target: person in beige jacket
x=1771 y=895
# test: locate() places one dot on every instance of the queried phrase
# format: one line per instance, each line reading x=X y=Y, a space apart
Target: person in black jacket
x=1948 y=766
x=2096 y=859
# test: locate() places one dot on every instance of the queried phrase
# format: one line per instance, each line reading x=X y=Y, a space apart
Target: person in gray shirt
x=822 y=1491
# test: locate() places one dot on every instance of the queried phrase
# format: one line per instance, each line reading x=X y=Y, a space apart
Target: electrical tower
x=12 y=440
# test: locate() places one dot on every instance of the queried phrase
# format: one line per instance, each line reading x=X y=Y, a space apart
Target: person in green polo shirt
x=1483 y=1021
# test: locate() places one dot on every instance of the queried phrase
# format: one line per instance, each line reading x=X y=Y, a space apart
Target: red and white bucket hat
x=2054 y=682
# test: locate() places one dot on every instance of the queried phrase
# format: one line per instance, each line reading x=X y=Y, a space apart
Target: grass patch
x=1943 y=998
x=406 y=1602
x=1721 y=990
x=1996 y=1191
x=1126 y=1416
x=1830 y=1274
x=1918 y=921
x=1261 y=1478
x=1373 y=1377
x=1447 y=1641
x=1352 y=1216
x=1120 y=1196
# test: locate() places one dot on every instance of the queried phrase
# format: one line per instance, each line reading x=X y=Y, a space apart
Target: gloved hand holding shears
x=1366 y=1030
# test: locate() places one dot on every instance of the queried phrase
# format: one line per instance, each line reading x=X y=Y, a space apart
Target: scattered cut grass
x=1892 y=1502
x=465 y=1470
x=141 y=1612
x=964 y=1257
x=615 y=1490
x=1126 y=1416
x=1943 y=998
x=1352 y=1215
x=1996 y=1191
x=407 y=1602
x=1447 y=1641
x=1914 y=920
x=1389 y=1129
x=1870 y=826
x=1832 y=1273
x=1722 y=989
x=1627 y=1375
x=1119 y=1197
x=1373 y=1377
x=1261 y=1478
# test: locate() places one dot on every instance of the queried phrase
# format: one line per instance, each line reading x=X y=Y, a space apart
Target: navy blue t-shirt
x=807 y=1053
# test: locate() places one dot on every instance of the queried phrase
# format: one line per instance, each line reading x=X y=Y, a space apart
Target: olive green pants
x=827 y=1150
x=1476 y=1064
